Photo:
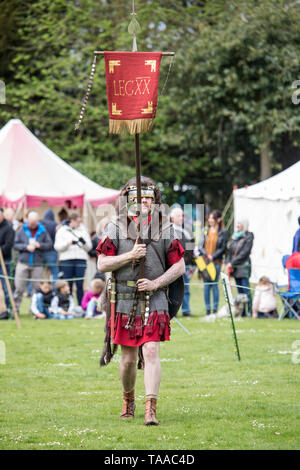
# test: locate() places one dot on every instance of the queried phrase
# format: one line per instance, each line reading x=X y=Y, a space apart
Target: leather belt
x=131 y=295
x=134 y=296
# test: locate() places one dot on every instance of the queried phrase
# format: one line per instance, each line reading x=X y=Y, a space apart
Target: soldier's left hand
x=145 y=284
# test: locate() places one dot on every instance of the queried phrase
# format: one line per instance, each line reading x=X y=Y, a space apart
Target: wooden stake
x=4 y=270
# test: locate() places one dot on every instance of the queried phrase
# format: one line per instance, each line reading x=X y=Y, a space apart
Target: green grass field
x=55 y=396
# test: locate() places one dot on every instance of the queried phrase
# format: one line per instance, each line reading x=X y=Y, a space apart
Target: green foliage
x=237 y=74
x=228 y=95
x=106 y=174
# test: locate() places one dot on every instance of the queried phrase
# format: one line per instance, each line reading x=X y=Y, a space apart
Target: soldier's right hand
x=138 y=251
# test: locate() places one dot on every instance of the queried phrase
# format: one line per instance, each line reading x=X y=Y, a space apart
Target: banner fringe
x=134 y=126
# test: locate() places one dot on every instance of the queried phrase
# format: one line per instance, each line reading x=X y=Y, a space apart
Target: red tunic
x=158 y=326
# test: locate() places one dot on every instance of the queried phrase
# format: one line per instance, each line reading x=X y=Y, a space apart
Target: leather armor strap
x=131 y=295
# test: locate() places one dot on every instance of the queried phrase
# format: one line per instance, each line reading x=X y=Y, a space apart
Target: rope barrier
x=81 y=278
x=31 y=279
x=45 y=264
x=203 y=284
x=218 y=282
x=236 y=285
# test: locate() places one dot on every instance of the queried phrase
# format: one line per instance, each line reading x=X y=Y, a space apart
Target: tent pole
x=92 y=214
x=18 y=209
x=11 y=298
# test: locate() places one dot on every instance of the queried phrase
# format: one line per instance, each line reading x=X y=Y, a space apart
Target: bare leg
x=152 y=371
x=128 y=367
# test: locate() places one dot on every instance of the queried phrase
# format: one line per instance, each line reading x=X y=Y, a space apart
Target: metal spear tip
x=134 y=26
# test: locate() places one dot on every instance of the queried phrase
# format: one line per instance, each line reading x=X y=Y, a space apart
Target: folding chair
x=291 y=297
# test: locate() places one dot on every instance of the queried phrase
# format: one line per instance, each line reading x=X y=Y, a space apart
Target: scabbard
x=112 y=307
x=142 y=293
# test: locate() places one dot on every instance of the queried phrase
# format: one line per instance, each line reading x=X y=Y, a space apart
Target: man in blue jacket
x=31 y=241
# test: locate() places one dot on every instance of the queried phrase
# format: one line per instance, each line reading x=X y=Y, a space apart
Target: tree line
x=226 y=117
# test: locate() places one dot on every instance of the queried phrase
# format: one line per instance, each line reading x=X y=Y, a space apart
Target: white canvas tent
x=32 y=174
x=272 y=208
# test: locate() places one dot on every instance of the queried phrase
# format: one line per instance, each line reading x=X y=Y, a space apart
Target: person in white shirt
x=264 y=301
x=73 y=243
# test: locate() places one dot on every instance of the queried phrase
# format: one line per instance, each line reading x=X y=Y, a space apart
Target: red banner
x=132 y=86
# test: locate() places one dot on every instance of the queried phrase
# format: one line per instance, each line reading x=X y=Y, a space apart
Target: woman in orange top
x=213 y=246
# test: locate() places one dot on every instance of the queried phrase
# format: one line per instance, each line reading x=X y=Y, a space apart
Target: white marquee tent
x=31 y=174
x=272 y=208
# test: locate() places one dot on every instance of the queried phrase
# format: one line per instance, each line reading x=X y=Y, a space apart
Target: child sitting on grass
x=264 y=300
x=62 y=305
x=40 y=305
x=90 y=299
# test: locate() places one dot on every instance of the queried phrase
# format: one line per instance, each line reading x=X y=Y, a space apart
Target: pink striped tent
x=32 y=174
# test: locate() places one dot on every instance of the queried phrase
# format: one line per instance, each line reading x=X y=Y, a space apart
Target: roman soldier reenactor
x=144 y=257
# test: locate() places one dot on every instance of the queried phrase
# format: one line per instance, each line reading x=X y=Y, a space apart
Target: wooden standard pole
x=138 y=183
x=139 y=213
x=4 y=270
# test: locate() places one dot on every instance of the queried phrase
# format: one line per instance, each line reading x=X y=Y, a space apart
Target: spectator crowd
x=64 y=247
x=33 y=246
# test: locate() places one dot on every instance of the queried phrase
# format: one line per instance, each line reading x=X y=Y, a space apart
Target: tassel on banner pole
x=90 y=84
x=136 y=126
